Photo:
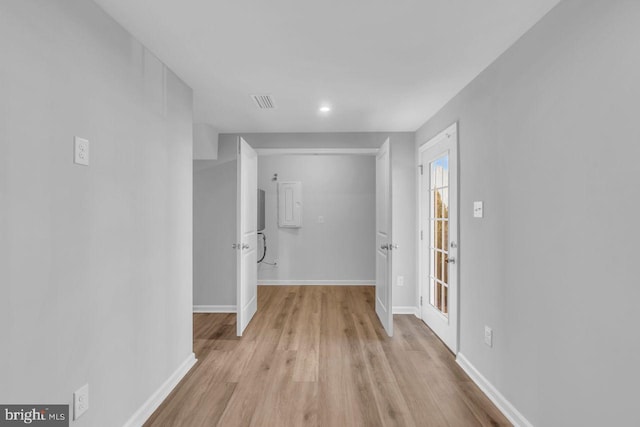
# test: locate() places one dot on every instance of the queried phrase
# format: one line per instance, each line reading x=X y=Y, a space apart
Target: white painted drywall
x=205 y=142
x=549 y=141
x=338 y=190
x=403 y=171
x=316 y=140
x=95 y=262
x=403 y=221
x=214 y=228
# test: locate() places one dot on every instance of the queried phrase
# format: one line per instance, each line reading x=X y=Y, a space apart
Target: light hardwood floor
x=318 y=356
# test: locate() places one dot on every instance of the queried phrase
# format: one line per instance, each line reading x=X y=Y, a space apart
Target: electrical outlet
x=81 y=151
x=488 y=336
x=80 y=401
x=400 y=281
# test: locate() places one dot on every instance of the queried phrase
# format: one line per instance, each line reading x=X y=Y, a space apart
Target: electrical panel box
x=290 y=204
x=260 y=210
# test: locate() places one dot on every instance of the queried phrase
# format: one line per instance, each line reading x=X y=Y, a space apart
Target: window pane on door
x=445 y=302
x=444 y=203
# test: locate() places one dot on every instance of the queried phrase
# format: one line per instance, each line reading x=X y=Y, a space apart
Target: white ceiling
x=382 y=65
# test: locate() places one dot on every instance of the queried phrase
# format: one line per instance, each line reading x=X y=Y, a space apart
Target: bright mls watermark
x=34 y=415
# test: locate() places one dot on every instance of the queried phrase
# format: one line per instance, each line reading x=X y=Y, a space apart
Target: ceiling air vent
x=264 y=102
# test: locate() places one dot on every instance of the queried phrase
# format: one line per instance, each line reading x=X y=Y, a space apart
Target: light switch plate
x=81 y=151
x=400 y=281
x=478 y=209
x=80 y=401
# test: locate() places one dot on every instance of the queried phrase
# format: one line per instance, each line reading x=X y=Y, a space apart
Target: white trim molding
x=408 y=309
x=509 y=411
x=214 y=309
x=155 y=400
x=316 y=283
x=315 y=151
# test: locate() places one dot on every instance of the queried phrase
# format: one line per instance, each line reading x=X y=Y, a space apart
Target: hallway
x=318 y=356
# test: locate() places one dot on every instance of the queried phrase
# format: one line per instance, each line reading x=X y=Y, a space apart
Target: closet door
x=384 y=245
x=247 y=235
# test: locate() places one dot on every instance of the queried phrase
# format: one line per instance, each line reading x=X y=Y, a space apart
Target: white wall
x=403 y=221
x=95 y=262
x=214 y=228
x=549 y=141
x=341 y=190
x=205 y=142
x=403 y=173
x=316 y=140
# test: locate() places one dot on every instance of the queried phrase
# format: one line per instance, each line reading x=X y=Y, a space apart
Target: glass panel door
x=439 y=234
x=438 y=190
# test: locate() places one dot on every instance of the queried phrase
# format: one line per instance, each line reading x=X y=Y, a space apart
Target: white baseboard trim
x=317 y=283
x=509 y=411
x=154 y=401
x=408 y=309
x=214 y=309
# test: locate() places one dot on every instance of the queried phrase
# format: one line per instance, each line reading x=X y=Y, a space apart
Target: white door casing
x=438 y=248
x=384 y=243
x=246 y=236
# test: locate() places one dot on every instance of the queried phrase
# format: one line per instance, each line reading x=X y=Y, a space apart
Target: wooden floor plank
x=318 y=356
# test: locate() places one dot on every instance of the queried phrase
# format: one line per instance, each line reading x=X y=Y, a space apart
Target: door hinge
x=421 y=169
x=421 y=237
x=420 y=300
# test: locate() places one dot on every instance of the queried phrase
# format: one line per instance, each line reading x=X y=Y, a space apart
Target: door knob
x=393 y=246
x=234 y=246
x=384 y=247
x=245 y=246
x=451 y=260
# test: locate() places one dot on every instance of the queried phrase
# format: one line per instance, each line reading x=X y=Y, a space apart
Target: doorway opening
x=328 y=233
x=323 y=214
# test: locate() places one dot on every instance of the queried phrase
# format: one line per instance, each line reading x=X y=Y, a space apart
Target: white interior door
x=384 y=243
x=247 y=237
x=439 y=235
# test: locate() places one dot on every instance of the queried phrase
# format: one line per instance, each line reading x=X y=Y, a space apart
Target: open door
x=384 y=245
x=247 y=237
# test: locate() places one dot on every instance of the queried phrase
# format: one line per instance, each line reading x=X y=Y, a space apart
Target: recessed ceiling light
x=325 y=109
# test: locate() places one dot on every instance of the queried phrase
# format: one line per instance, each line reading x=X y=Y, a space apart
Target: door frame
x=423 y=291
x=316 y=151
